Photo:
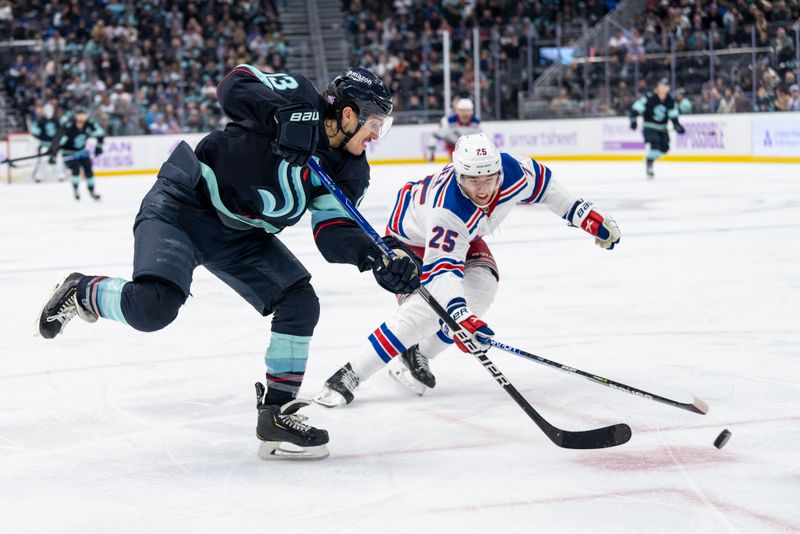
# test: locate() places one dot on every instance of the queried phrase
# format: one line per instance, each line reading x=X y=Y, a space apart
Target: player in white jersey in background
x=443 y=219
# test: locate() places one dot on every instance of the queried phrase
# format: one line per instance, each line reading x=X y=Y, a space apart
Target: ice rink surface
x=109 y=430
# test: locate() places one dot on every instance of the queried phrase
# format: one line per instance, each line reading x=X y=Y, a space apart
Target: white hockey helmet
x=464 y=104
x=48 y=111
x=476 y=155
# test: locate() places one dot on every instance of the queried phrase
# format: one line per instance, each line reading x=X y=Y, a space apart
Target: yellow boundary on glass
x=554 y=157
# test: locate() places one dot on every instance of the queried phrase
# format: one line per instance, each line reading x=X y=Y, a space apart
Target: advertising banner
x=776 y=135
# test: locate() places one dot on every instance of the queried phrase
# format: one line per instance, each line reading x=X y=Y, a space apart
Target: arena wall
x=751 y=137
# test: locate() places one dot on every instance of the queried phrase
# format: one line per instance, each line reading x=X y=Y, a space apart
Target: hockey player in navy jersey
x=222 y=206
x=44 y=129
x=443 y=219
x=656 y=108
x=71 y=139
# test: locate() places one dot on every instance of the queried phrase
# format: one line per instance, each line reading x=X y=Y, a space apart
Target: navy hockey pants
x=177 y=229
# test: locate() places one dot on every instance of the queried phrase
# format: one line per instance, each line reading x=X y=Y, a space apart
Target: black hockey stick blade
x=599 y=438
x=596 y=438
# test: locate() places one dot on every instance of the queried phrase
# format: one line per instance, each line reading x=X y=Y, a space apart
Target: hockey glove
x=679 y=128
x=478 y=332
x=298 y=132
x=633 y=123
x=398 y=275
x=602 y=226
x=98 y=149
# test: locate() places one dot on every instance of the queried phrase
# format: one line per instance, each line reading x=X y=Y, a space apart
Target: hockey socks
x=103 y=296
x=286 y=359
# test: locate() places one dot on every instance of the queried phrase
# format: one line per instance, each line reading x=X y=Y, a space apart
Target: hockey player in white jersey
x=443 y=219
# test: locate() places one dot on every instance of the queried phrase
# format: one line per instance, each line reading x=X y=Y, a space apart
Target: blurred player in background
x=461 y=122
x=443 y=219
x=44 y=129
x=222 y=205
x=71 y=139
x=656 y=107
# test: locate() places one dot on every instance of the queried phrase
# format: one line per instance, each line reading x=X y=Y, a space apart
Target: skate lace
x=421 y=362
x=295 y=421
x=66 y=312
x=350 y=380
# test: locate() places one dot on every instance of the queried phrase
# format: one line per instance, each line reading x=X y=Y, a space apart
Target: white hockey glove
x=601 y=225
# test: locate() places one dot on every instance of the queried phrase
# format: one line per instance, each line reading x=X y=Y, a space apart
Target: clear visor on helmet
x=377 y=125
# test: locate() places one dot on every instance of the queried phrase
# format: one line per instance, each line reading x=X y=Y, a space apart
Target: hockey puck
x=722 y=439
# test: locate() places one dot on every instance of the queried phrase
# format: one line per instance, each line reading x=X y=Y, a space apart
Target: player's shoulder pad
x=512 y=169
x=451 y=199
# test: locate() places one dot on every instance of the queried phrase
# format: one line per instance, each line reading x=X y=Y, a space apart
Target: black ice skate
x=94 y=195
x=413 y=371
x=650 y=173
x=283 y=433
x=76 y=193
x=339 y=388
x=61 y=307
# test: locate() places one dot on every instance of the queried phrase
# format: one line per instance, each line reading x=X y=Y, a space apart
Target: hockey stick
x=11 y=162
x=597 y=438
x=696 y=406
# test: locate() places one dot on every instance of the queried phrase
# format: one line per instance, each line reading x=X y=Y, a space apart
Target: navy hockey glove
x=98 y=149
x=633 y=123
x=679 y=128
x=298 y=132
x=602 y=226
x=398 y=275
x=479 y=332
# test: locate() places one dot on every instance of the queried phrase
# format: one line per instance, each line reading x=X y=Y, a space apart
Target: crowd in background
x=152 y=66
x=142 y=67
x=692 y=29
x=401 y=41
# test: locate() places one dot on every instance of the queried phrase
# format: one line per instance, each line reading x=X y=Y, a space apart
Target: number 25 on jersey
x=447 y=238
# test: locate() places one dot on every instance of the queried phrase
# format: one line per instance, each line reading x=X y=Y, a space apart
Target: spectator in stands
x=764 y=101
x=794 y=98
x=784 y=46
x=6 y=16
x=618 y=43
x=727 y=104
x=684 y=104
x=710 y=99
x=743 y=104
x=782 y=98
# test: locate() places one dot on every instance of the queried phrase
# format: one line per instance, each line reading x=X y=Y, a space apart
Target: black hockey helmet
x=365 y=92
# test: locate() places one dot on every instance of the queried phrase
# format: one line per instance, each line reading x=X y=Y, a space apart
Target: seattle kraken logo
x=292 y=201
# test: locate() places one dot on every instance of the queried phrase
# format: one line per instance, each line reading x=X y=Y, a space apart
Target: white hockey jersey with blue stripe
x=434 y=213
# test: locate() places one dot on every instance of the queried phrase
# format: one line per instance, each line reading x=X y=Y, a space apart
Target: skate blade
x=281 y=450
x=329 y=398
x=401 y=373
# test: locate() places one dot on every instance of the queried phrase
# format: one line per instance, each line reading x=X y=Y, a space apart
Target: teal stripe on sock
x=109 y=298
x=654 y=154
x=287 y=353
x=75 y=180
x=90 y=182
